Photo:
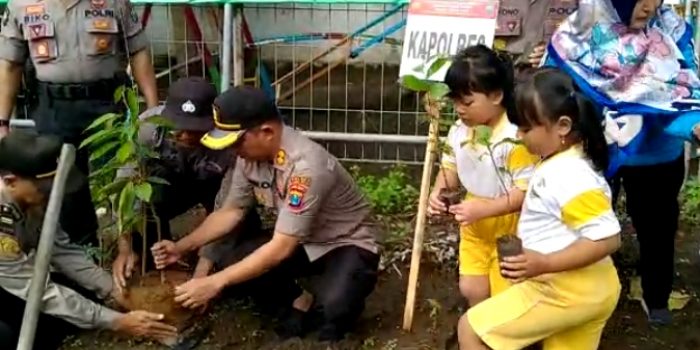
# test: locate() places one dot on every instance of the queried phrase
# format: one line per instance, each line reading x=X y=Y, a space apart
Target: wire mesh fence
x=333 y=69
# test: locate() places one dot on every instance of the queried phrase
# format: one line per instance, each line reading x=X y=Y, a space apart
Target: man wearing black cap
x=194 y=172
x=323 y=222
x=27 y=167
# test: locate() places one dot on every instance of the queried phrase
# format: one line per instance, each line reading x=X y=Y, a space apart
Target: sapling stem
x=144 y=248
x=158 y=232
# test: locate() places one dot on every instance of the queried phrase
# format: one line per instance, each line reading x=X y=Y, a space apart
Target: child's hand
x=468 y=211
x=435 y=204
x=521 y=267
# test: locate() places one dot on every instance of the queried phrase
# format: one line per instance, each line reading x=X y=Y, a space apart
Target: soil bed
x=150 y=294
x=233 y=324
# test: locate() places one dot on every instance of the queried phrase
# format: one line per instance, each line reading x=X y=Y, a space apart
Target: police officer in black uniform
x=80 y=49
x=194 y=173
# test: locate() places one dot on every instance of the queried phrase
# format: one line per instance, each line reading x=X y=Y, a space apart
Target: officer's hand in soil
x=468 y=212
x=521 y=267
x=197 y=292
x=435 y=205
x=165 y=253
x=122 y=268
x=144 y=324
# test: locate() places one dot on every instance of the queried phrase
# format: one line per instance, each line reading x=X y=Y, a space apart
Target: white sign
x=444 y=27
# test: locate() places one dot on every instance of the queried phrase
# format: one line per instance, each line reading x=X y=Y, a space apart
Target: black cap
x=35 y=157
x=189 y=104
x=238 y=109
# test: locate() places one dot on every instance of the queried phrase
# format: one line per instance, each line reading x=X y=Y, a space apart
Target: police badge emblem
x=188 y=107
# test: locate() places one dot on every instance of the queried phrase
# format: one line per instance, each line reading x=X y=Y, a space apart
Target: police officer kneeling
x=193 y=172
x=27 y=166
x=323 y=223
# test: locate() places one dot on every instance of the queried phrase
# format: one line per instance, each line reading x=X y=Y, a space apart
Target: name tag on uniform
x=9 y=247
x=35 y=13
x=509 y=22
x=557 y=12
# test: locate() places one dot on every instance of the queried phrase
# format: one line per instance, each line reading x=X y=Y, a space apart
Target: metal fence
x=333 y=69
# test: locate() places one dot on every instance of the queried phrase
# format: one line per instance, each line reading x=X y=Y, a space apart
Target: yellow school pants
x=477 y=248
x=566 y=310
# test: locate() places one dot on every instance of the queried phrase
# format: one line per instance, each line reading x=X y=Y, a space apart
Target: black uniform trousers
x=341 y=280
x=50 y=331
x=652 y=204
x=68 y=119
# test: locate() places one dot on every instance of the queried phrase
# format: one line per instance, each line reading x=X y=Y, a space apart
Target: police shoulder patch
x=298 y=185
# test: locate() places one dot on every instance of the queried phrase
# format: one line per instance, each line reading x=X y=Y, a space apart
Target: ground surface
x=234 y=325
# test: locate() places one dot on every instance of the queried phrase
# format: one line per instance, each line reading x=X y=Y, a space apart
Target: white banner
x=444 y=27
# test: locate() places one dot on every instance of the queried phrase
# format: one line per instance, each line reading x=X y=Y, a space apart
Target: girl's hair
x=548 y=95
x=479 y=69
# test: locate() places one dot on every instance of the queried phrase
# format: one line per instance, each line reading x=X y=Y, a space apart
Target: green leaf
x=144 y=191
x=419 y=68
x=114 y=187
x=482 y=134
x=412 y=83
x=104 y=149
x=125 y=152
x=119 y=93
x=438 y=90
x=157 y=180
x=102 y=120
x=125 y=209
x=100 y=137
x=437 y=65
x=102 y=171
x=133 y=102
x=160 y=121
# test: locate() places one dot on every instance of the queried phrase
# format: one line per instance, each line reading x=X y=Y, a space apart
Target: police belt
x=98 y=90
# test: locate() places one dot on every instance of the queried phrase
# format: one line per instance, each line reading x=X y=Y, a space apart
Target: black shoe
x=292 y=324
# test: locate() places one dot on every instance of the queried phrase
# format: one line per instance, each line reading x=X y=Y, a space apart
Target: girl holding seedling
x=479 y=155
x=566 y=286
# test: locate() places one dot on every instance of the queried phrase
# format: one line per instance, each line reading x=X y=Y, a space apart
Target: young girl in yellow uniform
x=566 y=286
x=481 y=86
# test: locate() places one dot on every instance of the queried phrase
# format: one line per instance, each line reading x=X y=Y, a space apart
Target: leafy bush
x=391 y=194
x=690 y=202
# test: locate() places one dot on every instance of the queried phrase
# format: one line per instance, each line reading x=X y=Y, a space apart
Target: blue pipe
x=378 y=20
x=309 y=37
x=377 y=39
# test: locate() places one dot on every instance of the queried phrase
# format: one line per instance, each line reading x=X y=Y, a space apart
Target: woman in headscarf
x=635 y=60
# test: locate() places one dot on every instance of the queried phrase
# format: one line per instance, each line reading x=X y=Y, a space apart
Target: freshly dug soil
x=149 y=294
x=508 y=245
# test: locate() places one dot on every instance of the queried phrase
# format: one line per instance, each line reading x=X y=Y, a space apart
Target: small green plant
x=482 y=136
x=115 y=137
x=690 y=202
x=435 y=101
x=388 y=195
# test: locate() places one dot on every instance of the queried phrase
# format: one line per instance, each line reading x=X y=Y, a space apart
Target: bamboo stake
x=420 y=222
